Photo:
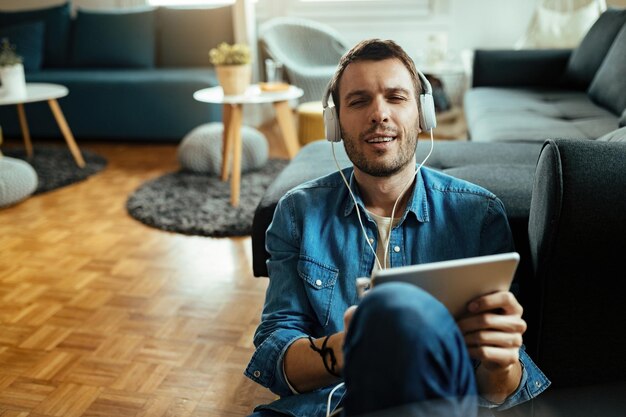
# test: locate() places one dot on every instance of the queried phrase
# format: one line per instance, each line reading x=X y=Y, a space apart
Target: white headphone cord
x=432 y=142
x=393 y=210
x=356 y=206
x=358 y=213
x=330 y=397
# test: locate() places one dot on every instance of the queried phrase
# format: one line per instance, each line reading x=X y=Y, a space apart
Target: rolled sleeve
x=533 y=383
x=266 y=365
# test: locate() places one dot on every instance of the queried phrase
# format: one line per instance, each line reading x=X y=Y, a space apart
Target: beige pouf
x=18 y=180
x=201 y=149
x=310 y=122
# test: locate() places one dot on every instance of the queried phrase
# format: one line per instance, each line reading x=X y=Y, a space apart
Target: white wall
x=465 y=24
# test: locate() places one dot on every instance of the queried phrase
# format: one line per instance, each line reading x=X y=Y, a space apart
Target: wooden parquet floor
x=103 y=316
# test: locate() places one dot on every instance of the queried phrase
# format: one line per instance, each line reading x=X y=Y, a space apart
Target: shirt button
x=371 y=239
x=318 y=282
x=396 y=249
x=257 y=374
x=538 y=384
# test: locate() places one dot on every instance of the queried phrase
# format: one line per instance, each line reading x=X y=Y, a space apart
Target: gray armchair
x=308 y=50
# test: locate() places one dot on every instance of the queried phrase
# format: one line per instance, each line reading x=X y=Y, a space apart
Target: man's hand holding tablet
x=476 y=292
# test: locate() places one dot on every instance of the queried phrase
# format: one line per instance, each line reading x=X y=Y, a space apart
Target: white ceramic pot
x=13 y=80
x=234 y=79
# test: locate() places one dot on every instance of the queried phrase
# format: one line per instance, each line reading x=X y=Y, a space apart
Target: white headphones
x=428 y=120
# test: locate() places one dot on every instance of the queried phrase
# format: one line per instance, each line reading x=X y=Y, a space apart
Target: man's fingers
x=497 y=322
x=504 y=301
x=347 y=317
x=494 y=356
x=495 y=339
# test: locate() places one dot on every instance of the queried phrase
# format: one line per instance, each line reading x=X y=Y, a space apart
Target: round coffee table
x=44 y=92
x=232 y=117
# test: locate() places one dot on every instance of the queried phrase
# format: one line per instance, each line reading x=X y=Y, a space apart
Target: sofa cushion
x=148 y=104
x=587 y=58
x=122 y=39
x=618 y=135
x=197 y=29
x=57 y=30
x=28 y=41
x=523 y=115
x=609 y=84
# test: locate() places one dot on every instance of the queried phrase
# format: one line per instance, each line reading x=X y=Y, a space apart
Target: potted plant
x=11 y=71
x=232 y=65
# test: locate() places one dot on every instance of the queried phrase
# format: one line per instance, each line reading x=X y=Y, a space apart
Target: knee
x=401 y=310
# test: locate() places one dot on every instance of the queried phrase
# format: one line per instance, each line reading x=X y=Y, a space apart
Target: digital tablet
x=455 y=283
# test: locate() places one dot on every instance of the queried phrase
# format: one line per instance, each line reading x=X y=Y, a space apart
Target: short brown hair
x=373 y=50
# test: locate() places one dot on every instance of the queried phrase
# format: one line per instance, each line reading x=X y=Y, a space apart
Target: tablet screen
x=457 y=282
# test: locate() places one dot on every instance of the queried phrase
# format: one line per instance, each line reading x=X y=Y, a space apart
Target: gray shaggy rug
x=55 y=166
x=199 y=204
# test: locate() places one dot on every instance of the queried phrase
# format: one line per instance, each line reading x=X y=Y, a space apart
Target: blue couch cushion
x=114 y=39
x=587 y=58
x=28 y=41
x=56 y=34
x=608 y=87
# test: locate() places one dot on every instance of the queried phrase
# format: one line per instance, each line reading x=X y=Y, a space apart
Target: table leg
x=67 y=133
x=226 y=140
x=234 y=131
x=287 y=127
x=25 y=132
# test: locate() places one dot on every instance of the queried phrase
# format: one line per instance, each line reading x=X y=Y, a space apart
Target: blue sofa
x=130 y=74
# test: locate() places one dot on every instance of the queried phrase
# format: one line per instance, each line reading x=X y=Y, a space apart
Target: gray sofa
x=571 y=248
x=532 y=95
x=130 y=74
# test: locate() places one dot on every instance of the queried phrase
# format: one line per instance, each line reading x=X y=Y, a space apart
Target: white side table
x=232 y=118
x=44 y=92
x=453 y=76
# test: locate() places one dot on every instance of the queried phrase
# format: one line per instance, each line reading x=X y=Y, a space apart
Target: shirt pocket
x=319 y=283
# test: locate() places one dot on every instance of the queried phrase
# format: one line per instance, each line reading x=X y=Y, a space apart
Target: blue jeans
x=404 y=356
x=403 y=349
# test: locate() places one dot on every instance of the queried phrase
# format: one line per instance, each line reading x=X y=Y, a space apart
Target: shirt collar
x=418 y=202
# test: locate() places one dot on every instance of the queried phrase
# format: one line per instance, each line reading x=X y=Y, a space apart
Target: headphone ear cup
x=428 y=118
x=331 y=124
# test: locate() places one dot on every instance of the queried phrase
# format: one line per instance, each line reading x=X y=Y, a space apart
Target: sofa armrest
x=519 y=68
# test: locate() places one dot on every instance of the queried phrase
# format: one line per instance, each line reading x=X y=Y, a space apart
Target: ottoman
x=18 y=180
x=310 y=122
x=201 y=149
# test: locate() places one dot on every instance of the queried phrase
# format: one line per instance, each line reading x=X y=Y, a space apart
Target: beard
x=380 y=167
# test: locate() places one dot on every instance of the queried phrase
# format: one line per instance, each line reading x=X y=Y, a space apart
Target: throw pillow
x=608 y=87
x=559 y=29
x=28 y=41
x=122 y=39
x=57 y=23
x=587 y=58
x=618 y=135
x=198 y=29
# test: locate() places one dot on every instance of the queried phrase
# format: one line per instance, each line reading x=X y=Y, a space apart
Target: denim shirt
x=317 y=250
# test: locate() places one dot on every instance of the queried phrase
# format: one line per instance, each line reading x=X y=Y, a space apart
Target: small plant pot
x=13 y=81
x=234 y=79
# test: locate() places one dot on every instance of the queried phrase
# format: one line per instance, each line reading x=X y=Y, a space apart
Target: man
x=400 y=347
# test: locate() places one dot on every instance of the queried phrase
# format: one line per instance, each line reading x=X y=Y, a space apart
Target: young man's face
x=378 y=115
